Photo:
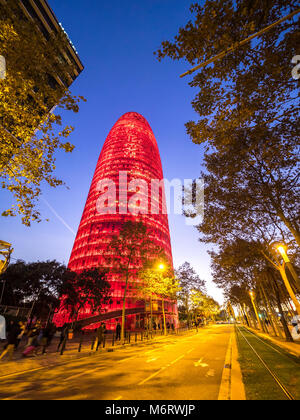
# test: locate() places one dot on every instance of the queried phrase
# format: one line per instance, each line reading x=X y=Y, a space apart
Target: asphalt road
x=173 y=368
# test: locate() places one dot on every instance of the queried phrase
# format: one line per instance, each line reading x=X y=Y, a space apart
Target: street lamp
x=282 y=249
x=161 y=267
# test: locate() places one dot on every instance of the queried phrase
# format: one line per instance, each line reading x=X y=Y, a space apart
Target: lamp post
x=283 y=252
x=161 y=268
x=279 y=247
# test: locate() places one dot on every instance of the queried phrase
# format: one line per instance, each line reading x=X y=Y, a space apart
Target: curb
x=232 y=386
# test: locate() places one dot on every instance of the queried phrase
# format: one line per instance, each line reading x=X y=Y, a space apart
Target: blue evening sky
x=116 y=41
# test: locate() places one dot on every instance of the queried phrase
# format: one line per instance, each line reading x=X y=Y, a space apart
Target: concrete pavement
x=175 y=368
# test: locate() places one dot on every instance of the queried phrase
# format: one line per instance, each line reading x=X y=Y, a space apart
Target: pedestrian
x=2 y=328
x=20 y=336
x=99 y=336
x=118 y=331
x=32 y=334
x=34 y=345
x=63 y=336
x=12 y=340
x=46 y=337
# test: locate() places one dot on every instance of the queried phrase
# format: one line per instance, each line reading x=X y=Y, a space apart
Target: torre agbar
x=130 y=153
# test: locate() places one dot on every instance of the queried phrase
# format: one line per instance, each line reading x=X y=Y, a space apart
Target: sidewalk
x=292 y=348
x=51 y=358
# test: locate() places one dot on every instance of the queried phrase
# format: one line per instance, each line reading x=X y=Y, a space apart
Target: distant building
x=39 y=12
x=70 y=66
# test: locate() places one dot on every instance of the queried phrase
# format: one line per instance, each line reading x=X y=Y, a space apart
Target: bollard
x=93 y=343
x=80 y=345
x=63 y=347
x=129 y=337
x=104 y=341
x=141 y=335
x=135 y=337
x=98 y=344
x=113 y=340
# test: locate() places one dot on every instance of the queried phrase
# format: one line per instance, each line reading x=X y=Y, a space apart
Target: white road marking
x=80 y=374
x=176 y=360
x=199 y=363
x=152 y=360
x=211 y=372
x=118 y=398
x=190 y=351
x=128 y=358
x=152 y=376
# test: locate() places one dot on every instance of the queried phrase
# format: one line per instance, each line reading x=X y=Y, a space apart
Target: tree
x=128 y=252
x=202 y=304
x=88 y=289
x=167 y=287
x=148 y=287
x=189 y=281
x=5 y=252
x=36 y=285
x=30 y=133
x=248 y=110
x=240 y=267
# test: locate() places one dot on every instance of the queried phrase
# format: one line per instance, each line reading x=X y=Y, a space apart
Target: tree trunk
x=290 y=226
x=164 y=316
x=289 y=289
x=245 y=315
x=269 y=311
x=124 y=309
x=151 y=314
x=287 y=333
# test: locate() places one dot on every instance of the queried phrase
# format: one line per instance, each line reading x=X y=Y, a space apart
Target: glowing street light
x=282 y=249
x=161 y=267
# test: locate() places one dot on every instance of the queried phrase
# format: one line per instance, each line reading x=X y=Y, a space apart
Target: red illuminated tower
x=130 y=152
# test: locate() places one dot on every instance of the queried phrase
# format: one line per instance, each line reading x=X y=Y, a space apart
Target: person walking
x=12 y=341
x=63 y=336
x=20 y=336
x=100 y=335
x=118 y=332
x=2 y=328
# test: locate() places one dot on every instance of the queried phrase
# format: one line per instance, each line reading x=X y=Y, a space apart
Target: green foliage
x=39 y=282
x=248 y=110
x=30 y=133
x=89 y=288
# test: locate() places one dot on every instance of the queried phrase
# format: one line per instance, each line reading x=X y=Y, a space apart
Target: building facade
x=40 y=14
x=34 y=19
x=130 y=166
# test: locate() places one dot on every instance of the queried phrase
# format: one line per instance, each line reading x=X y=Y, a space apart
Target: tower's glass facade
x=130 y=153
